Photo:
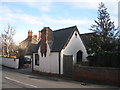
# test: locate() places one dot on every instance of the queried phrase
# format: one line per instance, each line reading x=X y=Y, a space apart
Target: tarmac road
x=23 y=78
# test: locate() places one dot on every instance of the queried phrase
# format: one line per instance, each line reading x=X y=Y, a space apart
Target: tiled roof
x=86 y=39
x=36 y=47
x=61 y=36
x=28 y=46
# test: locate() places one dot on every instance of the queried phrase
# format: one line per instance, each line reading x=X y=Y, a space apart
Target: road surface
x=21 y=78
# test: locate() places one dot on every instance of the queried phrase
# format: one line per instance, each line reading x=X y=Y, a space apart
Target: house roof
x=86 y=38
x=61 y=37
x=36 y=47
x=34 y=41
x=30 y=49
x=28 y=46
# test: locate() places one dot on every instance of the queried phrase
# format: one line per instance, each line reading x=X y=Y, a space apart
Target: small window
x=36 y=59
x=76 y=34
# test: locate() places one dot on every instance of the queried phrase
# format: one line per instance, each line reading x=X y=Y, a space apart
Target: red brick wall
x=43 y=44
x=100 y=74
x=46 y=37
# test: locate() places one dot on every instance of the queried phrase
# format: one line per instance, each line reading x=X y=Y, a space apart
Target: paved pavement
x=25 y=78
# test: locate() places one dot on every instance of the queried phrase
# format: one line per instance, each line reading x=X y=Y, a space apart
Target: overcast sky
x=33 y=15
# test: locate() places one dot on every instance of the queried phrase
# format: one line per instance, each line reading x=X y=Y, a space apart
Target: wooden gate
x=67 y=65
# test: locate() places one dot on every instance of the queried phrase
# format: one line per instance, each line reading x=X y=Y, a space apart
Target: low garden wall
x=10 y=62
x=98 y=74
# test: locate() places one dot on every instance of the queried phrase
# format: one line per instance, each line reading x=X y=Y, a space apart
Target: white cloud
x=46 y=5
x=4 y=9
x=112 y=7
x=18 y=37
x=94 y=4
x=22 y=17
x=57 y=0
x=84 y=5
x=68 y=21
x=72 y=21
x=42 y=6
x=7 y=20
x=29 y=19
x=28 y=0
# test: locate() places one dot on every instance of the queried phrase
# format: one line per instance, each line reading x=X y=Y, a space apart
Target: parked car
x=27 y=60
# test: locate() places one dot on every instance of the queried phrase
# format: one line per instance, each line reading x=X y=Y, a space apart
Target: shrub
x=105 y=59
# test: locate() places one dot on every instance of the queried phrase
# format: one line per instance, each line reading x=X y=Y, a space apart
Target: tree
x=7 y=40
x=117 y=35
x=105 y=31
x=118 y=39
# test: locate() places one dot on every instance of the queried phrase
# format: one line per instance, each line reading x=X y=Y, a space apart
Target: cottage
x=58 y=50
x=28 y=44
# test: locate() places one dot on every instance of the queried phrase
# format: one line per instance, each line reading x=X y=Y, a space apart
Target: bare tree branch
x=7 y=39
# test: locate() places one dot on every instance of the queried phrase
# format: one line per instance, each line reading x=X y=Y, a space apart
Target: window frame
x=36 y=59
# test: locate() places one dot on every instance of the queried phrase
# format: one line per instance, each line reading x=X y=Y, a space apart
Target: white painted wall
x=74 y=45
x=49 y=64
x=9 y=62
x=54 y=62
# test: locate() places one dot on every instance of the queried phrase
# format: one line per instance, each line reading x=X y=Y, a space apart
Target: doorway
x=79 y=56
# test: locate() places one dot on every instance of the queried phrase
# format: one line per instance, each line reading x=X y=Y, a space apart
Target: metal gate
x=67 y=65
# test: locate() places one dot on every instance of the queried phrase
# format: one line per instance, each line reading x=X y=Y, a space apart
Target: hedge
x=105 y=59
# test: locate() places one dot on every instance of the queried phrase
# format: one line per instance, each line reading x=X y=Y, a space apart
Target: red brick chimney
x=49 y=35
x=30 y=35
x=43 y=49
x=46 y=37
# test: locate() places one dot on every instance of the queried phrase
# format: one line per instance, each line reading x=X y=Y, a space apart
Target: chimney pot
x=30 y=35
